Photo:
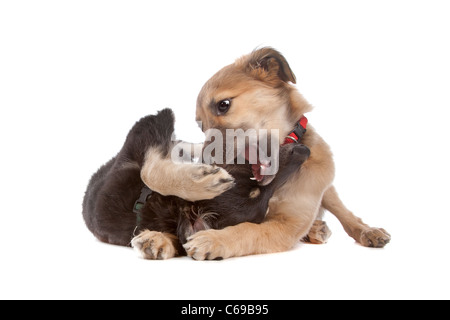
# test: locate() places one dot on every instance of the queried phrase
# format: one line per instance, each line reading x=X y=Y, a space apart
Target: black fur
x=114 y=188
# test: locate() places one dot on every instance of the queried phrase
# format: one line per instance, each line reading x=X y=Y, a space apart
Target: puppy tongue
x=259 y=170
x=256 y=169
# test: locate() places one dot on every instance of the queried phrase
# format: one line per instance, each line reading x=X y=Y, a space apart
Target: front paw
x=206 y=245
x=209 y=182
x=153 y=245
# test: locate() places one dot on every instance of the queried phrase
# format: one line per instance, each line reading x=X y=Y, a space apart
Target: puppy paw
x=375 y=238
x=153 y=245
x=206 y=245
x=207 y=182
x=318 y=234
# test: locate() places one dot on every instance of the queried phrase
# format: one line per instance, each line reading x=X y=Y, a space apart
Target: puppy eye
x=223 y=106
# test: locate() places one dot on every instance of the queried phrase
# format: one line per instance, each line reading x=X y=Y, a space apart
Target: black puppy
x=117 y=204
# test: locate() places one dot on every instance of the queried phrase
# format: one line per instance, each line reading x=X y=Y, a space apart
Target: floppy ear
x=268 y=64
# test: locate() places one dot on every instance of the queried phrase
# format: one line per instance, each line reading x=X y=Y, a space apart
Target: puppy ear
x=268 y=64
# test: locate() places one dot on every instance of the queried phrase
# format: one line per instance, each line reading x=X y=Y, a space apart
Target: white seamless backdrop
x=76 y=75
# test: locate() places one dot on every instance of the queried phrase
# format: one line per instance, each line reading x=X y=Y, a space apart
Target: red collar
x=299 y=130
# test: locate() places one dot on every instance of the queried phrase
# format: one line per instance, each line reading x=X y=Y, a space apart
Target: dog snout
x=294 y=153
x=301 y=149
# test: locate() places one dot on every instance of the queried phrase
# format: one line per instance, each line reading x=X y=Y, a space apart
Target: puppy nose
x=303 y=150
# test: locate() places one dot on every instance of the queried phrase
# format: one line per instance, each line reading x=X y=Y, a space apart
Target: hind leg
x=355 y=228
x=319 y=232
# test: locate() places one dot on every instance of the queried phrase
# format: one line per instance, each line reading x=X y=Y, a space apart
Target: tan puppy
x=255 y=92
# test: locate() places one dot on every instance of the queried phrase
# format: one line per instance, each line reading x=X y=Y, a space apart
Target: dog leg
x=153 y=245
x=287 y=222
x=355 y=228
x=279 y=232
x=191 y=182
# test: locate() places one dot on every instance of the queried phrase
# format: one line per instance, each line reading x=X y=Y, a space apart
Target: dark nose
x=303 y=150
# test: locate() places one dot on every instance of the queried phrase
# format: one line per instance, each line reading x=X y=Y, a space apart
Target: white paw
x=154 y=245
x=209 y=182
x=206 y=245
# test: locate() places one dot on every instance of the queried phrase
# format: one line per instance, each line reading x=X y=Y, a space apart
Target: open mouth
x=260 y=168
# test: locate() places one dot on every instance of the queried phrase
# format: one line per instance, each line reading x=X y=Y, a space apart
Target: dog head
x=255 y=93
x=247 y=201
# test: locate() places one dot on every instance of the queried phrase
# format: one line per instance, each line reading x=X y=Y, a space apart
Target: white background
x=76 y=75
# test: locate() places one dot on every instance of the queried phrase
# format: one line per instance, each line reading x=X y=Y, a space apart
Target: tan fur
x=187 y=181
x=263 y=98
